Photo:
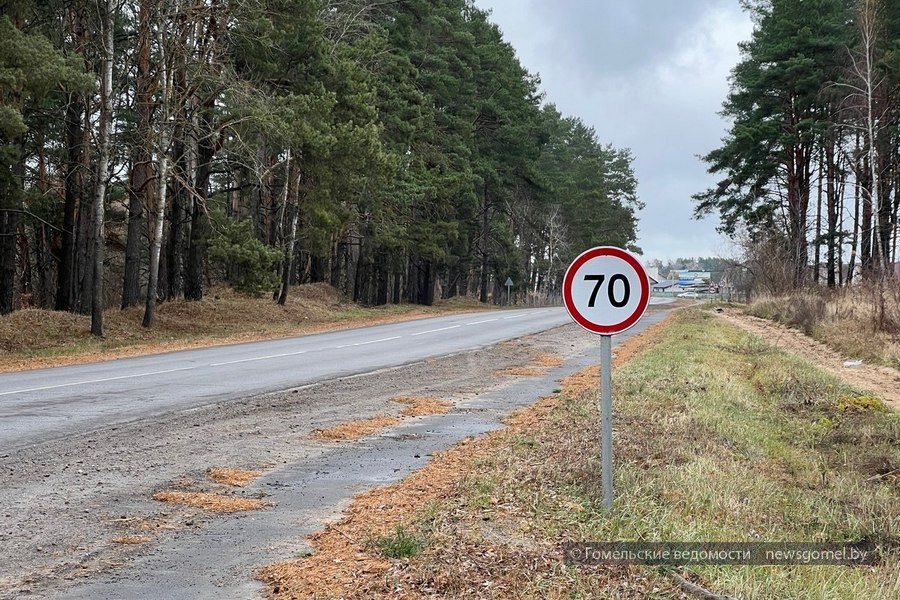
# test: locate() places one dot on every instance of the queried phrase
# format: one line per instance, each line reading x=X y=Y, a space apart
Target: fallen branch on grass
x=693 y=588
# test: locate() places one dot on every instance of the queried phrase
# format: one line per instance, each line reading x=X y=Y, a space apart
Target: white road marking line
x=434 y=330
x=396 y=337
x=514 y=317
x=485 y=321
x=74 y=383
x=243 y=360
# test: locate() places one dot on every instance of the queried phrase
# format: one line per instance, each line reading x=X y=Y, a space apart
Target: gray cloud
x=649 y=75
x=614 y=37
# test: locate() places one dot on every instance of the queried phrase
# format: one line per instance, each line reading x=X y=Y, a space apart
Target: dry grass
x=233 y=477
x=862 y=322
x=131 y=539
x=33 y=338
x=210 y=501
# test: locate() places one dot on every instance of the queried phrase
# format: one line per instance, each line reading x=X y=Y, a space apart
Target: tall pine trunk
x=160 y=213
x=485 y=257
x=140 y=187
x=206 y=149
x=10 y=215
x=65 y=280
x=831 y=201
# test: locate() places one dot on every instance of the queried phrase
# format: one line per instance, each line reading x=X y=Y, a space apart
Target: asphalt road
x=45 y=404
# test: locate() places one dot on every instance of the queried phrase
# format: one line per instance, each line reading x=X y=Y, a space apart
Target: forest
x=396 y=149
x=810 y=168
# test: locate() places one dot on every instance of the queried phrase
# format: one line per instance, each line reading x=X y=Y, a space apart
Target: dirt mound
x=883 y=381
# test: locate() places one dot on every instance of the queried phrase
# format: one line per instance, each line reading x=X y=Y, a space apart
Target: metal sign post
x=509 y=284
x=606 y=446
x=606 y=291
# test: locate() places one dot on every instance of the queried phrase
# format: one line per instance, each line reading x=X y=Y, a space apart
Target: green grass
x=400 y=544
x=720 y=437
x=738 y=452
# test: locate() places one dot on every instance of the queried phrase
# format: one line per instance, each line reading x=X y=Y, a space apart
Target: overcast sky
x=649 y=75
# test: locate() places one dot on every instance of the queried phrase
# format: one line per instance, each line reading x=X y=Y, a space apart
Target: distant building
x=663 y=286
x=690 y=280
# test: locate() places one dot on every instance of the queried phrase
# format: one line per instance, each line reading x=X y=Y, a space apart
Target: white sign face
x=606 y=290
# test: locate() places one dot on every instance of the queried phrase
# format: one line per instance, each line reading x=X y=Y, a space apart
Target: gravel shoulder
x=65 y=502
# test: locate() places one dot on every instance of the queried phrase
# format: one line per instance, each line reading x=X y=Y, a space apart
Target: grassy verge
x=719 y=438
x=36 y=338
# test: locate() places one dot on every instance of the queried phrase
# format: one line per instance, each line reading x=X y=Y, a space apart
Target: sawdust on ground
x=522 y=371
x=416 y=406
x=538 y=366
x=548 y=360
x=419 y=406
x=880 y=380
x=346 y=564
x=353 y=430
x=146 y=523
x=233 y=477
x=211 y=501
x=131 y=539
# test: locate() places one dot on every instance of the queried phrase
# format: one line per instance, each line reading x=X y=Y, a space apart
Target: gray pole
x=606 y=419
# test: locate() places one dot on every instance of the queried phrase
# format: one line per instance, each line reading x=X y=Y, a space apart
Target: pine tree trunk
x=10 y=214
x=206 y=149
x=485 y=265
x=65 y=279
x=141 y=184
x=42 y=294
x=160 y=213
x=832 y=203
x=866 y=255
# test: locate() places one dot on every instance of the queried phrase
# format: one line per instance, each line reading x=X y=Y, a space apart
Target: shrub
x=247 y=263
x=801 y=310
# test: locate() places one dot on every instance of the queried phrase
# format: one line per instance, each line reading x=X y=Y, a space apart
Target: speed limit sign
x=606 y=290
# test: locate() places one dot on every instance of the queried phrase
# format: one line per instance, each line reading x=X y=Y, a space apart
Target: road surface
x=45 y=404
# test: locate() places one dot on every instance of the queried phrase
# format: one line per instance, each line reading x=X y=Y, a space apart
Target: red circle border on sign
x=570 y=276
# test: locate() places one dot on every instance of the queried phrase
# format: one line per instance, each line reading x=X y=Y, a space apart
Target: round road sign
x=606 y=290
